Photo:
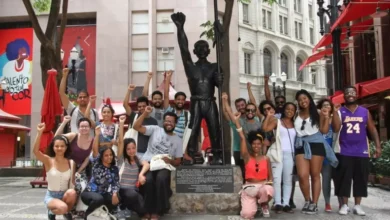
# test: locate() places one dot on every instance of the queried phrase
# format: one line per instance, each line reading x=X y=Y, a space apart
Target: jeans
x=283 y=171
x=326 y=173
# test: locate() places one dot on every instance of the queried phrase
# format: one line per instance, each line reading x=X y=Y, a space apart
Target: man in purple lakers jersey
x=353 y=122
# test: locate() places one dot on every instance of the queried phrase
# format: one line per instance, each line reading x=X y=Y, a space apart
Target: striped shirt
x=130 y=174
x=181 y=121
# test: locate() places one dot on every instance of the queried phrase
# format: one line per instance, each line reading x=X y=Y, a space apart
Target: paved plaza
x=18 y=201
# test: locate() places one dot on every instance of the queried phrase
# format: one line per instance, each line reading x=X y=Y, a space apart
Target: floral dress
x=104 y=179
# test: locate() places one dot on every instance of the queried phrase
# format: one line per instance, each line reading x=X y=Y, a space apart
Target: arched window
x=299 y=73
x=284 y=64
x=267 y=62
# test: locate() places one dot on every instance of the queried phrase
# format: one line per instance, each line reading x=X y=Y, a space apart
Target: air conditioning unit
x=165 y=20
x=165 y=50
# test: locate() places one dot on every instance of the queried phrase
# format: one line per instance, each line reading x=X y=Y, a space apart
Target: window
x=267 y=58
x=284 y=63
x=298 y=30
x=282 y=3
x=297 y=6
x=164 y=22
x=314 y=78
x=283 y=25
x=165 y=59
x=311 y=36
x=311 y=16
x=267 y=19
x=299 y=73
x=137 y=92
x=245 y=13
x=140 y=60
x=247 y=63
x=140 y=23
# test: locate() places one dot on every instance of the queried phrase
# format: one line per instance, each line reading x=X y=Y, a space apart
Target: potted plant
x=382 y=164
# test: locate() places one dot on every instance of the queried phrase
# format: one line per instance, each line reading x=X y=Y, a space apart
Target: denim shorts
x=53 y=195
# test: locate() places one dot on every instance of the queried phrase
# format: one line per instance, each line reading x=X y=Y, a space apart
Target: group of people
x=273 y=144
x=269 y=143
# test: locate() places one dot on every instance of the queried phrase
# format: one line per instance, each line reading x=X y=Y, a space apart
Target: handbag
x=274 y=152
x=101 y=213
x=131 y=132
x=157 y=163
x=114 y=147
x=81 y=184
x=292 y=150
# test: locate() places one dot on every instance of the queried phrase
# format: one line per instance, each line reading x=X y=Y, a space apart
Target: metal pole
x=273 y=88
x=219 y=48
x=337 y=57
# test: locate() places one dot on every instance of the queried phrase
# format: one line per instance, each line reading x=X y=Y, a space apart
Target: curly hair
x=283 y=115
x=266 y=102
x=50 y=149
x=12 y=50
x=142 y=99
x=315 y=117
x=322 y=101
x=82 y=120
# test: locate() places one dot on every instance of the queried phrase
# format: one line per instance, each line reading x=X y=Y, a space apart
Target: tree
x=51 y=39
x=225 y=58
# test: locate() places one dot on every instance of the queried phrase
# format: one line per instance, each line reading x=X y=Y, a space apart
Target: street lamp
x=4 y=87
x=74 y=55
x=332 y=12
x=283 y=77
x=273 y=80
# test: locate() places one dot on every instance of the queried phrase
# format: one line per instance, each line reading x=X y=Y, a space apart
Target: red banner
x=16 y=70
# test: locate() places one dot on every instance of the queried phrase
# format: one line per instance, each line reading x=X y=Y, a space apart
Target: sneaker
x=278 y=209
x=51 y=216
x=68 y=216
x=265 y=211
x=127 y=213
x=328 y=208
x=313 y=209
x=305 y=207
x=292 y=204
x=288 y=209
x=357 y=210
x=344 y=210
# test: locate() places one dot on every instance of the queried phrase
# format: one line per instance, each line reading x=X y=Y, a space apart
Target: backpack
x=67 y=128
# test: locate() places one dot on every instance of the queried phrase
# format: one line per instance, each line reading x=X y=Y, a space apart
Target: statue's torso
x=201 y=79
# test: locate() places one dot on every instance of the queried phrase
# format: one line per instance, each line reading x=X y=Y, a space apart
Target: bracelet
x=239 y=129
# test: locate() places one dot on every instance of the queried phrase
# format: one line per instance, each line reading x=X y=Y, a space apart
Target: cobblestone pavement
x=18 y=201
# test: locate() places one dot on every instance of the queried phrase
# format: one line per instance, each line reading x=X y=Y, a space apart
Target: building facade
x=279 y=38
x=130 y=38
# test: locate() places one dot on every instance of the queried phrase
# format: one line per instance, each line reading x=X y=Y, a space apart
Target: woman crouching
x=258 y=175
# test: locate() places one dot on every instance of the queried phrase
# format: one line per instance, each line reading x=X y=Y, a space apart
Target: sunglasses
x=267 y=109
x=250 y=110
x=303 y=125
x=279 y=103
x=257 y=167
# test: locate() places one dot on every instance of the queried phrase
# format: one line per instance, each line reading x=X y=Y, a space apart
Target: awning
x=338 y=97
x=374 y=86
x=14 y=126
x=5 y=115
x=358 y=9
x=316 y=57
x=354 y=30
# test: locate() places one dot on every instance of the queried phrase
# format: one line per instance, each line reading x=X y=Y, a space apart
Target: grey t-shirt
x=162 y=143
x=76 y=115
x=142 y=141
x=158 y=113
x=247 y=126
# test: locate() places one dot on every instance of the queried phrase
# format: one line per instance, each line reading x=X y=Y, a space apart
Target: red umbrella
x=51 y=107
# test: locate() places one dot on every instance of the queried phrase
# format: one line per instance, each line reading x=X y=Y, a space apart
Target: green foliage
x=41 y=5
x=381 y=165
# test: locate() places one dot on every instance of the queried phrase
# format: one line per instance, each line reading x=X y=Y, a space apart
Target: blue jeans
x=53 y=195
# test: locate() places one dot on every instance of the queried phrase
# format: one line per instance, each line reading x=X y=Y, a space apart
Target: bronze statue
x=202 y=79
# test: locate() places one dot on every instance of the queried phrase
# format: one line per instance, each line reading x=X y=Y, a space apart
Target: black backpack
x=67 y=128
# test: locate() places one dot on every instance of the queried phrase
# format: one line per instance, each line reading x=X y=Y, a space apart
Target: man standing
x=159 y=104
x=161 y=141
x=142 y=103
x=82 y=102
x=353 y=122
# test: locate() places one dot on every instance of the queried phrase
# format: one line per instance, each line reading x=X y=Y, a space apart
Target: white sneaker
x=357 y=210
x=344 y=210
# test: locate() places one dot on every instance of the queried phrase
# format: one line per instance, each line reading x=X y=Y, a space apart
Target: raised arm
x=60 y=129
x=137 y=125
x=126 y=105
x=270 y=123
x=243 y=146
x=95 y=147
x=122 y=120
x=336 y=121
x=145 y=90
x=374 y=135
x=226 y=107
x=179 y=20
x=266 y=88
x=38 y=154
x=92 y=100
x=168 y=77
x=252 y=98
x=63 y=96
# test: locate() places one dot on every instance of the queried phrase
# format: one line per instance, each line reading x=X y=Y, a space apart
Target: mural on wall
x=16 y=69
x=82 y=67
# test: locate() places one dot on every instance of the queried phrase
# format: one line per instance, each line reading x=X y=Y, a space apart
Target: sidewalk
x=18 y=201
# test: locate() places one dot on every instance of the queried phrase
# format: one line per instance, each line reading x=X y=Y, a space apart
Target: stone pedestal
x=207 y=203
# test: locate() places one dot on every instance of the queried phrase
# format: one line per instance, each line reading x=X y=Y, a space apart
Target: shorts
x=350 y=169
x=317 y=149
x=53 y=195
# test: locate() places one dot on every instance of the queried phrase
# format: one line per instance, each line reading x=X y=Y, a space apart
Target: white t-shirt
x=162 y=143
x=76 y=115
x=308 y=129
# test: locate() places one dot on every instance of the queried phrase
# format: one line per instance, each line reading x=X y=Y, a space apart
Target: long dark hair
x=50 y=149
x=314 y=116
x=126 y=142
x=101 y=152
x=283 y=115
